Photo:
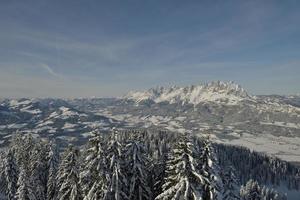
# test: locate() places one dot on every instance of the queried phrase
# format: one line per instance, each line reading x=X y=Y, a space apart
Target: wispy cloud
x=189 y=43
x=48 y=69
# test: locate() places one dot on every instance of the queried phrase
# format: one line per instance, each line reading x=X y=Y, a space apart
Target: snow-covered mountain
x=266 y=123
x=49 y=118
x=224 y=109
x=219 y=92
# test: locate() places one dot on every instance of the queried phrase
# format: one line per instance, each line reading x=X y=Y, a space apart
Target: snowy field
x=286 y=148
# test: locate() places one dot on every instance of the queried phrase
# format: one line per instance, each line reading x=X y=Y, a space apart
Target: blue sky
x=84 y=48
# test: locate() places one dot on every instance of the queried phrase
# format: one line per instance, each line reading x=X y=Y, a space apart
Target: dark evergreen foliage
x=260 y=167
x=68 y=176
x=140 y=165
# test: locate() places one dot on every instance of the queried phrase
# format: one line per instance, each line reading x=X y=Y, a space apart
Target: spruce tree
x=93 y=177
x=52 y=167
x=2 y=175
x=68 y=176
x=230 y=182
x=158 y=174
x=137 y=171
x=209 y=168
x=38 y=169
x=23 y=192
x=11 y=175
x=183 y=179
x=118 y=183
x=23 y=147
x=251 y=191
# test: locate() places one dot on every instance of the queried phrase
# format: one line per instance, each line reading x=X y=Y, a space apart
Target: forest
x=140 y=165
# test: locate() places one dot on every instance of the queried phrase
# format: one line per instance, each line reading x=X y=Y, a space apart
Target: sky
x=97 y=48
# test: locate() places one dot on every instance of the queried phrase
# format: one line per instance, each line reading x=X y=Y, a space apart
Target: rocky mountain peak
x=217 y=91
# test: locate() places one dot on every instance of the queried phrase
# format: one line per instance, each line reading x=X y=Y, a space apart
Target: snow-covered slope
x=49 y=118
x=221 y=108
x=219 y=92
x=267 y=123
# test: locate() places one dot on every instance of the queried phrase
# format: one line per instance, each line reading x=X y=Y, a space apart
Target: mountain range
x=224 y=110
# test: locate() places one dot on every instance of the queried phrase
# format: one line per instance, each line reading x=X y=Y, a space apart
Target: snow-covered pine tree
x=68 y=176
x=266 y=193
x=22 y=146
x=93 y=176
x=230 y=184
x=183 y=180
x=271 y=194
x=38 y=169
x=23 y=192
x=137 y=172
x=52 y=167
x=158 y=174
x=253 y=165
x=275 y=195
x=209 y=168
x=2 y=177
x=251 y=191
x=117 y=184
x=11 y=175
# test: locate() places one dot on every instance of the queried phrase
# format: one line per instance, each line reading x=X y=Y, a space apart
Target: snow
x=174 y=124
x=15 y=103
x=29 y=109
x=180 y=118
x=120 y=117
x=228 y=93
x=87 y=135
x=34 y=112
x=52 y=130
x=53 y=115
x=179 y=130
x=44 y=128
x=68 y=138
x=155 y=119
x=139 y=96
x=97 y=124
x=16 y=126
x=269 y=106
x=66 y=112
x=69 y=126
x=286 y=148
x=45 y=123
x=175 y=127
x=282 y=124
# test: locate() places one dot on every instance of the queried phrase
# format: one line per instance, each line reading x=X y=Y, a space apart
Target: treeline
x=135 y=165
x=264 y=169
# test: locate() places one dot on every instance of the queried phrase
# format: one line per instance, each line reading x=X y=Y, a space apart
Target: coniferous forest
x=140 y=165
x=149 y=100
